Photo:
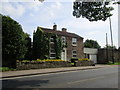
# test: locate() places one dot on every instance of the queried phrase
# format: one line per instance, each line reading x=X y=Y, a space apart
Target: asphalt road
x=92 y=78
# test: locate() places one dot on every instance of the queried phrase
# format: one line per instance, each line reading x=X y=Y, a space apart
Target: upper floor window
x=74 y=41
x=63 y=39
x=51 y=40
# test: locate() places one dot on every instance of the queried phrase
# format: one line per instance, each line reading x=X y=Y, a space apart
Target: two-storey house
x=74 y=43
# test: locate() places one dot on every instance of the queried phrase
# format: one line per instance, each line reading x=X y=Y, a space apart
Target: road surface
x=92 y=78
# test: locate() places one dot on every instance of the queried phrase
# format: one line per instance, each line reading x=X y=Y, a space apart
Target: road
x=92 y=78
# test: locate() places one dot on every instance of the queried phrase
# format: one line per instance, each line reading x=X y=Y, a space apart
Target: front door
x=63 y=55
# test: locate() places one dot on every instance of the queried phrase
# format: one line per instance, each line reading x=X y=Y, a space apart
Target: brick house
x=74 y=43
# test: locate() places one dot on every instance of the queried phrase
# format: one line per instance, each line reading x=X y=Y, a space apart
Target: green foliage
x=40 y=44
x=74 y=59
x=13 y=41
x=91 y=44
x=2 y=69
x=40 y=60
x=110 y=47
x=93 y=11
x=111 y=63
x=58 y=46
x=28 y=54
x=84 y=59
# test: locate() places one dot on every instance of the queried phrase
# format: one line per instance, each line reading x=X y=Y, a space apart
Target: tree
x=93 y=11
x=91 y=44
x=110 y=47
x=28 y=54
x=40 y=44
x=58 y=46
x=13 y=42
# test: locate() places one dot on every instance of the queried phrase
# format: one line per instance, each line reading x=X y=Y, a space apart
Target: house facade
x=73 y=43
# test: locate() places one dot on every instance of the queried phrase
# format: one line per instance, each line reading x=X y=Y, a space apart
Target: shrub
x=84 y=59
x=25 y=60
x=39 y=60
x=2 y=69
x=73 y=59
x=53 y=60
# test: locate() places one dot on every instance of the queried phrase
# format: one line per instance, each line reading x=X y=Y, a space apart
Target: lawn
x=2 y=69
x=116 y=63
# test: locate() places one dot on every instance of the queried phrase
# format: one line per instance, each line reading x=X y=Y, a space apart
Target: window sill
x=74 y=45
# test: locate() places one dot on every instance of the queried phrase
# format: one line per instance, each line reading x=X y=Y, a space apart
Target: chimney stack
x=64 y=29
x=55 y=27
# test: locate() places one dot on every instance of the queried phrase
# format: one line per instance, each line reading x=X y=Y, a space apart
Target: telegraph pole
x=111 y=40
x=106 y=48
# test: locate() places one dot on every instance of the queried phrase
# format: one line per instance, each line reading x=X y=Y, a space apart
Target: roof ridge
x=60 y=31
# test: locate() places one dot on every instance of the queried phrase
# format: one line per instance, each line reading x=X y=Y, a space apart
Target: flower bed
x=48 y=63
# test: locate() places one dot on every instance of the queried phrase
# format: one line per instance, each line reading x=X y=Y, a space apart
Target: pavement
x=9 y=74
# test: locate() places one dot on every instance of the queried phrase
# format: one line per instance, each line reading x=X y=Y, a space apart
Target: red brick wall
x=78 y=48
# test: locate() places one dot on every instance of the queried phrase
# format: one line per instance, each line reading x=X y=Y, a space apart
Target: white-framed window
x=74 y=41
x=52 y=53
x=52 y=56
x=74 y=53
x=51 y=40
x=63 y=38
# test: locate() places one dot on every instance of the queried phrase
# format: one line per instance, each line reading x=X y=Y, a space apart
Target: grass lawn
x=116 y=63
x=2 y=69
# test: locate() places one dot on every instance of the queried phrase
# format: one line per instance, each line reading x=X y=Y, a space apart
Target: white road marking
x=89 y=79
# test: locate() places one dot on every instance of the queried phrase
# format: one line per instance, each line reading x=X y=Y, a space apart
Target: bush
x=25 y=60
x=84 y=59
x=2 y=69
x=73 y=59
x=39 y=60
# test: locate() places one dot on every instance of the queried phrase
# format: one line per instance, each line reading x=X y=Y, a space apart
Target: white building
x=91 y=53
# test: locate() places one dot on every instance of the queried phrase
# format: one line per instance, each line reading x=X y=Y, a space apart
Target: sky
x=31 y=14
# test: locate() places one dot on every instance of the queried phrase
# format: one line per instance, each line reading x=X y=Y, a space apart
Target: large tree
x=13 y=42
x=91 y=44
x=93 y=11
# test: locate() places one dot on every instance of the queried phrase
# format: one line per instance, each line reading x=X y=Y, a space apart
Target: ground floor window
x=74 y=53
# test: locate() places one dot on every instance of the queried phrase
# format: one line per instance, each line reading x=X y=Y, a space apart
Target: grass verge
x=116 y=63
x=2 y=69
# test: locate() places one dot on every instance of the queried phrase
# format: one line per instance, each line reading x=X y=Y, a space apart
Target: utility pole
x=111 y=41
x=106 y=48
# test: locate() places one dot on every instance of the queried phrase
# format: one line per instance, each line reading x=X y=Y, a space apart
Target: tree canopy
x=40 y=44
x=13 y=41
x=93 y=11
x=91 y=44
x=110 y=47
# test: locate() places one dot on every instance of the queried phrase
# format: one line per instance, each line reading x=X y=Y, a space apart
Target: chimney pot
x=54 y=27
x=64 y=29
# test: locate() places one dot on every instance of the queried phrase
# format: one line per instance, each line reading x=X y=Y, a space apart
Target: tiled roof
x=61 y=33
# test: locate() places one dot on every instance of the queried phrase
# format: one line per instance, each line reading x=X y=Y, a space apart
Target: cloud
x=46 y=13
x=34 y=6
x=14 y=10
x=18 y=9
x=17 y=1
